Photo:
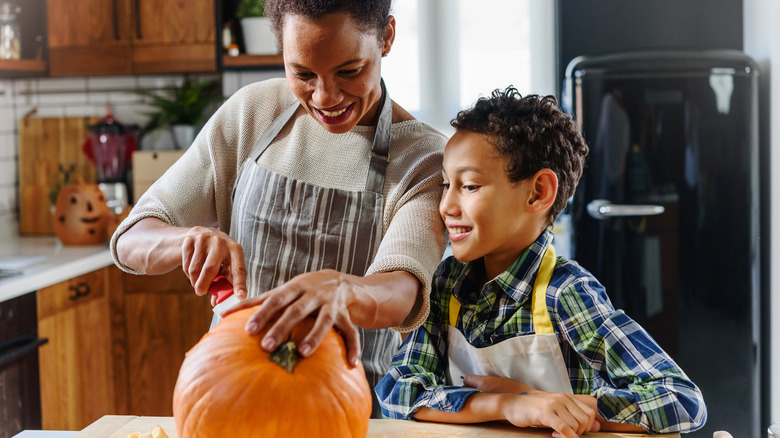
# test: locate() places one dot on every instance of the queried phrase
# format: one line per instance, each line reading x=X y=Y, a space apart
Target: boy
x=514 y=333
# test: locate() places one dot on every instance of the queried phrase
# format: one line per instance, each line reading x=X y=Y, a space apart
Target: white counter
x=37 y=262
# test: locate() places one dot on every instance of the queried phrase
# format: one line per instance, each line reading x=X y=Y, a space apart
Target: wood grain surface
x=47 y=146
x=118 y=426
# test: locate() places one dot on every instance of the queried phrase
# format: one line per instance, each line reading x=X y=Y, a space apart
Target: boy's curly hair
x=370 y=15
x=531 y=133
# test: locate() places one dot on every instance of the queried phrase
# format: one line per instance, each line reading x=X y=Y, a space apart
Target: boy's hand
x=566 y=414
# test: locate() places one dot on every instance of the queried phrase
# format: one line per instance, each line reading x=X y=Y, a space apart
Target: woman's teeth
x=333 y=113
x=459 y=230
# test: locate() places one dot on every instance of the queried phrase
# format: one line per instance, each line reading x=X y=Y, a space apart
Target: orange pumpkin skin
x=229 y=387
x=81 y=215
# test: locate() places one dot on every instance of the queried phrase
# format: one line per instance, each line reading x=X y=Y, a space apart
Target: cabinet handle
x=138 y=20
x=115 y=17
x=80 y=290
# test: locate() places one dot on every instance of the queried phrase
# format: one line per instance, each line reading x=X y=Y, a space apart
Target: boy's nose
x=447 y=206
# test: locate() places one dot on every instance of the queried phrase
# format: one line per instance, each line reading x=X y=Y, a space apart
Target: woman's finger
x=352 y=341
x=237 y=271
x=295 y=307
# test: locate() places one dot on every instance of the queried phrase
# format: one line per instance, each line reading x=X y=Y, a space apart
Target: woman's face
x=333 y=68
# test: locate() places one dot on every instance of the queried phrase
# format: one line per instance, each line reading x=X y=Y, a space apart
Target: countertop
x=120 y=426
x=31 y=263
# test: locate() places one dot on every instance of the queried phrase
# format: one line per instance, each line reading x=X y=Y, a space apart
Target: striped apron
x=289 y=227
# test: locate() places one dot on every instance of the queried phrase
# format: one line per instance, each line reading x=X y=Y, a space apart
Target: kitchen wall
x=593 y=27
x=762 y=42
x=83 y=96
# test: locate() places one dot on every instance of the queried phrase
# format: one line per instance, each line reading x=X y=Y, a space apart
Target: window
x=448 y=53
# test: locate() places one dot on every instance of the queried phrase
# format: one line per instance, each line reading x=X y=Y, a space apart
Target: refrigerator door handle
x=604 y=209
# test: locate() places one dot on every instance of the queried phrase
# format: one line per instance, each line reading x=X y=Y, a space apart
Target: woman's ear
x=544 y=187
x=389 y=36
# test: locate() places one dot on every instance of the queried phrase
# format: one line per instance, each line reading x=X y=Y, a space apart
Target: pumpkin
x=81 y=214
x=228 y=386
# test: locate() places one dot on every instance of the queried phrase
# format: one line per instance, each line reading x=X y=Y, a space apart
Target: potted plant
x=183 y=109
x=258 y=35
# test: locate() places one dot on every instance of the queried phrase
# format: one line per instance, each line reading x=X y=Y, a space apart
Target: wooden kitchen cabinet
x=116 y=343
x=104 y=37
x=77 y=365
x=164 y=319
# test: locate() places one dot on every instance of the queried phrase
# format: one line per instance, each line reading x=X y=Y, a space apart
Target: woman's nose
x=326 y=93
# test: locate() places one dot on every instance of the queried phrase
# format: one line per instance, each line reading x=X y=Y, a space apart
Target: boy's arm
x=505 y=384
x=644 y=386
x=564 y=413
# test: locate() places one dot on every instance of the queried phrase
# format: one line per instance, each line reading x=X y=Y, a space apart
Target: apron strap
x=542 y=322
x=273 y=130
x=380 y=148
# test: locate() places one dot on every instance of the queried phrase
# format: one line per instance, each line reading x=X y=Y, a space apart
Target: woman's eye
x=445 y=186
x=350 y=72
x=471 y=188
x=303 y=74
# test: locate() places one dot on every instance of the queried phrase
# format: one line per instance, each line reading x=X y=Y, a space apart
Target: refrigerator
x=667 y=212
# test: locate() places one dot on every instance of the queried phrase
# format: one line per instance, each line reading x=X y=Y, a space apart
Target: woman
x=317 y=192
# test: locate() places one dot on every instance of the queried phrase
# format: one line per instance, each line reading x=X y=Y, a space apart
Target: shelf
x=22 y=67
x=244 y=61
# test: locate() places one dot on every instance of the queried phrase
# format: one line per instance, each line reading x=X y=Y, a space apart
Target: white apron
x=288 y=227
x=535 y=360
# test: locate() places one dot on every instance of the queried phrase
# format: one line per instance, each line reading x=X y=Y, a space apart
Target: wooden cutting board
x=47 y=148
x=120 y=426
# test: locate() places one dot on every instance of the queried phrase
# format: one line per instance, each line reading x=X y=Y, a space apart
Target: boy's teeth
x=334 y=113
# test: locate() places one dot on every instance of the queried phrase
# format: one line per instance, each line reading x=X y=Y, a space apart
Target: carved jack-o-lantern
x=81 y=214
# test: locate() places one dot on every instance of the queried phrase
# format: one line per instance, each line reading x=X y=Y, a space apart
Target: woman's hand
x=206 y=253
x=326 y=294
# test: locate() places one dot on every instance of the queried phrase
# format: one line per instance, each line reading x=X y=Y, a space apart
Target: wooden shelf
x=22 y=67
x=243 y=61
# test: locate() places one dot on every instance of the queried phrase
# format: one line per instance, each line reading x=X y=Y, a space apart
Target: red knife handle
x=221 y=288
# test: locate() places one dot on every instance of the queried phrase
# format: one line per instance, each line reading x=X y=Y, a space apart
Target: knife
x=223 y=290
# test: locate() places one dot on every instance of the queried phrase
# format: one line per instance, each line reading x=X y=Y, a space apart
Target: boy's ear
x=544 y=187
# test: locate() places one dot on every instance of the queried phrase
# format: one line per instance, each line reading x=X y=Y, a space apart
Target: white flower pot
x=183 y=136
x=258 y=36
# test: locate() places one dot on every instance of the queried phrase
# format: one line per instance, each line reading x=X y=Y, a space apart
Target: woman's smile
x=335 y=117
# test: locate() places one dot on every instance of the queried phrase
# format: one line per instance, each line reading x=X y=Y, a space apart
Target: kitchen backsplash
x=66 y=97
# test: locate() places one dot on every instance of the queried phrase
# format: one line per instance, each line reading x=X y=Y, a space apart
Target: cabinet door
x=88 y=37
x=76 y=365
x=173 y=36
x=164 y=319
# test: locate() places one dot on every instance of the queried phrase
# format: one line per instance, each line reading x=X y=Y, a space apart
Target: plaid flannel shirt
x=607 y=354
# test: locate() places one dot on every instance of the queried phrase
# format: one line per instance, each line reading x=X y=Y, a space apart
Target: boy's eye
x=445 y=186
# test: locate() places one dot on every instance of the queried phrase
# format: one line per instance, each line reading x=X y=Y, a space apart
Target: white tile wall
x=58 y=97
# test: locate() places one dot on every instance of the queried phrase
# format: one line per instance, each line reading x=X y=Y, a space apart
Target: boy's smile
x=483 y=210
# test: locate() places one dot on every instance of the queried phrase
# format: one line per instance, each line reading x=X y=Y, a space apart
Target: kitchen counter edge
x=62 y=263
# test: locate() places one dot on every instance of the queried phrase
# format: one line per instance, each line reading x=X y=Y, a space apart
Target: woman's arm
x=153 y=247
x=339 y=300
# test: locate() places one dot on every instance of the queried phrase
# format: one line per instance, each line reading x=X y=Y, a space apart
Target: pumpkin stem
x=285 y=355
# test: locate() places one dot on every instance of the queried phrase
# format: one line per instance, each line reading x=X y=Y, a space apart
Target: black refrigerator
x=667 y=213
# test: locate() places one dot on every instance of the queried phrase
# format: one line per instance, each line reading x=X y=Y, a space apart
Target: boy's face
x=484 y=211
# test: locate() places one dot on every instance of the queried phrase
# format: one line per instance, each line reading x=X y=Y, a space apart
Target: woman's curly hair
x=370 y=15
x=531 y=133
